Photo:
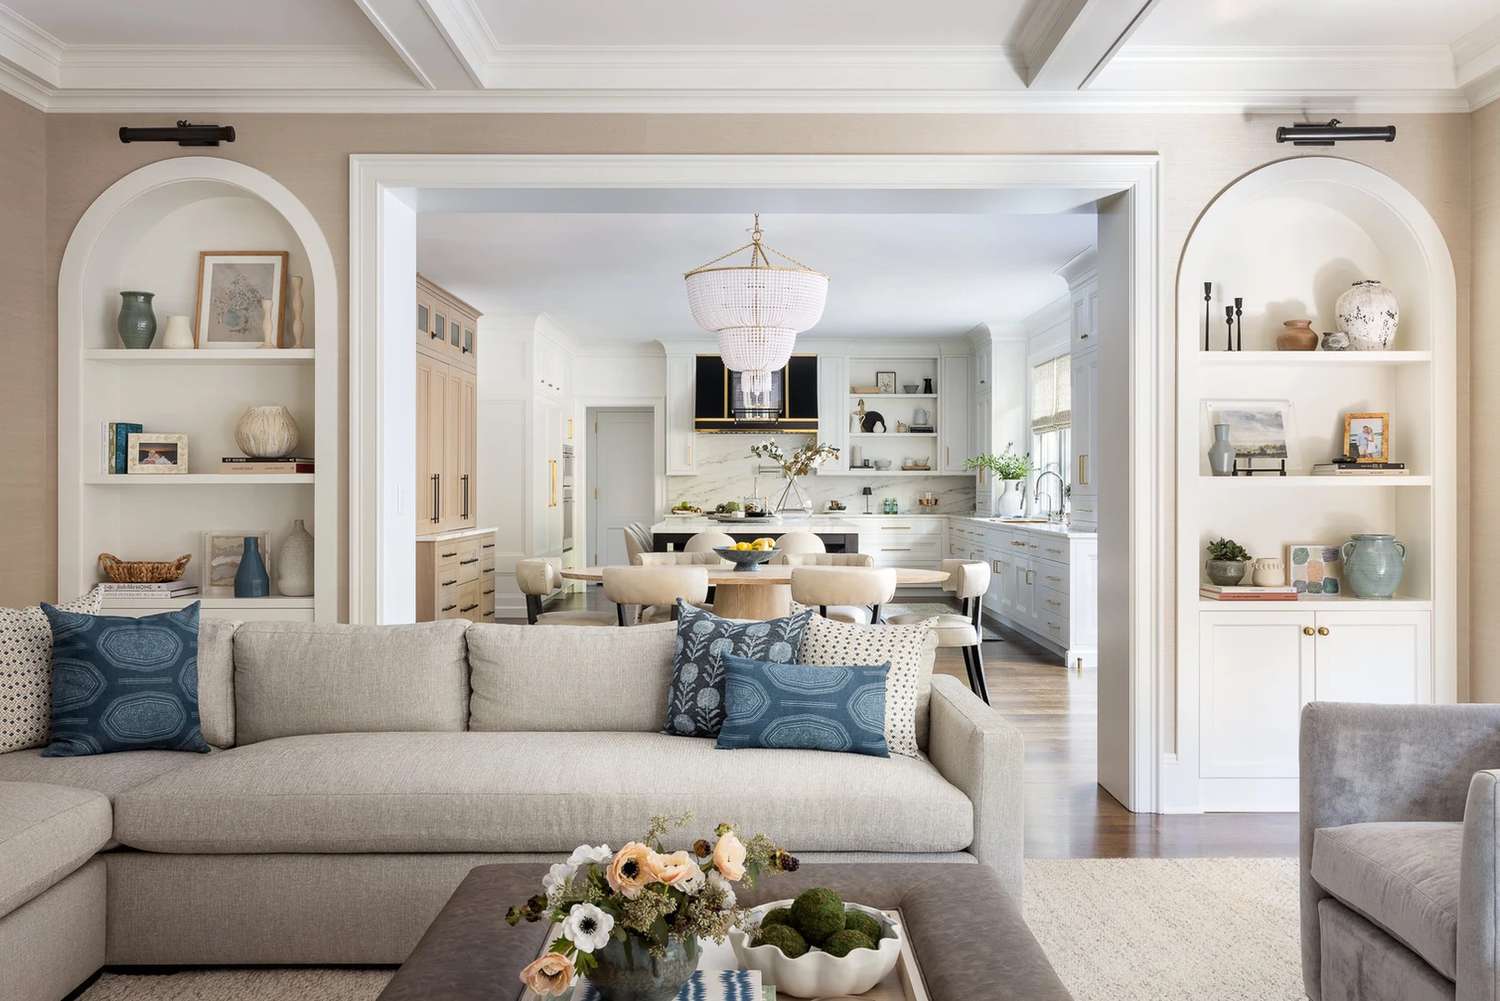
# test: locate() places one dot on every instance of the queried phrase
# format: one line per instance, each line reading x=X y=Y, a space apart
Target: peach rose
x=631 y=870
x=549 y=975
x=676 y=868
x=729 y=857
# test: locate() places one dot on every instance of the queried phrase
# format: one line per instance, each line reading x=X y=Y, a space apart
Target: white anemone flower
x=587 y=927
x=692 y=882
x=586 y=854
x=716 y=880
x=557 y=877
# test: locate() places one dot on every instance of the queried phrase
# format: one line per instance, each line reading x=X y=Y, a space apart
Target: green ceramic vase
x=627 y=972
x=136 y=324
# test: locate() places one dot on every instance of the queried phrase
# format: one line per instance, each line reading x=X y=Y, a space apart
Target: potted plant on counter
x=1227 y=562
x=1011 y=470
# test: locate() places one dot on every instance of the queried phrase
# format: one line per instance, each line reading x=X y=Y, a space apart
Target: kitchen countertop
x=845 y=521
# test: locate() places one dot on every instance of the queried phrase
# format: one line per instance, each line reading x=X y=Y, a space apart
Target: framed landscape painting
x=1258 y=429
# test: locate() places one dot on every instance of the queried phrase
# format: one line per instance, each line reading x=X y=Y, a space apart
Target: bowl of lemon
x=748 y=556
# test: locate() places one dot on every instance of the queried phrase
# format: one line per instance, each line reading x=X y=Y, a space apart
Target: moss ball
x=777 y=916
x=864 y=924
x=844 y=942
x=784 y=937
x=817 y=914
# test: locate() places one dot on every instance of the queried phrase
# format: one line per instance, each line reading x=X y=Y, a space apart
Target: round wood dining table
x=759 y=594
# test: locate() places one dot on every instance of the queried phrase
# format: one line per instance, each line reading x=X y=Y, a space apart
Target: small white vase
x=297 y=329
x=267 y=324
x=1368 y=312
x=178 y=334
x=266 y=432
x=294 y=563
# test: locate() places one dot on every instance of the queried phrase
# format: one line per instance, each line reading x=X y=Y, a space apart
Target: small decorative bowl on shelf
x=745 y=560
x=118 y=571
x=818 y=972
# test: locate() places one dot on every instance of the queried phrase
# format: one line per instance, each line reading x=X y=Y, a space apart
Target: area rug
x=1115 y=930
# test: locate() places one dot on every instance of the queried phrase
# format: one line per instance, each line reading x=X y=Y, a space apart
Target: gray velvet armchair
x=1400 y=819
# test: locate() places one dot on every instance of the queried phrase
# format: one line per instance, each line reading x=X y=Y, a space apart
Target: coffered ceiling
x=1310 y=56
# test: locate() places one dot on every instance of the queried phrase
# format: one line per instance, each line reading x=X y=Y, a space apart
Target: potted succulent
x=1227 y=562
x=1011 y=470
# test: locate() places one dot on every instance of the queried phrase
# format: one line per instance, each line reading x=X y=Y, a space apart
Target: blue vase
x=136 y=323
x=1373 y=565
x=251 y=579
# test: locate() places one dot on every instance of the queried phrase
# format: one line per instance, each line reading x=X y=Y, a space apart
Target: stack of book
x=241 y=464
x=1246 y=593
x=921 y=429
x=113 y=453
x=1347 y=467
x=168 y=589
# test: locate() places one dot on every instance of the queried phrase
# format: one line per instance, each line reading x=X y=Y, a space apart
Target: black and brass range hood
x=722 y=407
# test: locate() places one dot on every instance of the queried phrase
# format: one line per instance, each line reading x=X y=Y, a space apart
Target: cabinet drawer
x=907 y=553
x=469 y=600
x=1085 y=510
x=903 y=529
x=1050 y=602
x=487 y=599
x=1052 y=575
x=1052 y=549
x=467 y=564
x=487 y=555
x=448 y=593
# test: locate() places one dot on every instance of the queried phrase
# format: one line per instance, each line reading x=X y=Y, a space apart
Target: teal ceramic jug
x=1373 y=565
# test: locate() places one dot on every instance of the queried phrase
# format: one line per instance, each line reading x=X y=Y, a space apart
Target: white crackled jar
x=1368 y=313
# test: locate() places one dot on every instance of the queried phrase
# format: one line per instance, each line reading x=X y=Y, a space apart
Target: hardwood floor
x=1067 y=814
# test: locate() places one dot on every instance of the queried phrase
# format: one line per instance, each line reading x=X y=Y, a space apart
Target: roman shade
x=1052 y=394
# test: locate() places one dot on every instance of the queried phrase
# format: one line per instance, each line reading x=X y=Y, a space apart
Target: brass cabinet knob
x=1307 y=630
x=1322 y=630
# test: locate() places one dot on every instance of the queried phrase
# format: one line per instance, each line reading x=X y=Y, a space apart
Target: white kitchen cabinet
x=833 y=404
x=681 y=373
x=955 y=412
x=1085 y=333
x=547 y=433
x=1374 y=656
x=908 y=542
x=1083 y=469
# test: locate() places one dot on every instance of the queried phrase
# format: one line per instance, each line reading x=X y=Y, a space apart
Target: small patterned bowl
x=745 y=559
x=820 y=974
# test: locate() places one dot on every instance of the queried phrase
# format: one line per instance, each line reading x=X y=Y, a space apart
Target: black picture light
x=184 y=134
x=1333 y=132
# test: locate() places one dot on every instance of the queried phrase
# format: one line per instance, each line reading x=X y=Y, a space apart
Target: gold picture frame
x=1367 y=436
x=151 y=453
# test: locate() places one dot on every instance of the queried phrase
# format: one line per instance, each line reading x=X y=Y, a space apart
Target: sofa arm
x=1364 y=763
x=1479 y=892
x=979 y=752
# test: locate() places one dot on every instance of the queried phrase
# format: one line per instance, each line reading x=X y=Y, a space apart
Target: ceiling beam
x=418 y=41
x=1065 y=43
x=467 y=35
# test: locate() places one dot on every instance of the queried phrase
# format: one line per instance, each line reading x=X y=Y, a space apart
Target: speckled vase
x=1374 y=565
x=266 y=432
x=294 y=563
x=1368 y=313
x=627 y=972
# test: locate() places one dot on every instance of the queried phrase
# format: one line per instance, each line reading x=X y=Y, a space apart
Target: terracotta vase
x=1297 y=335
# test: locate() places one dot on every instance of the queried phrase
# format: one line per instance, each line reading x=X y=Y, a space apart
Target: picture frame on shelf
x=1315 y=569
x=1367 y=437
x=885 y=382
x=152 y=453
x=222 y=550
x=233 y=289
x=1261 y=430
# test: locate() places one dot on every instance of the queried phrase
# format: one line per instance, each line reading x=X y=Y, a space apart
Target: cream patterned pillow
x=26 y=671
x=909 y=649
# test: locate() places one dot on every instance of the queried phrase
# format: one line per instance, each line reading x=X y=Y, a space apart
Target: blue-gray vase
x=626 y=971
x=1221 y=452
x=1373 y=565
x=251 y=579
x=136 y=324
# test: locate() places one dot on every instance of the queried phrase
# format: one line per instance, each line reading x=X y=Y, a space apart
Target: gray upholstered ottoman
x=967 y=935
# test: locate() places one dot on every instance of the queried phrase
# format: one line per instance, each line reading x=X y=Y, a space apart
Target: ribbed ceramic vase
x=294 y=563
x=251 y=579
x=1368 y=313
x=627 y=972
x=136 y=323
x=266 y=432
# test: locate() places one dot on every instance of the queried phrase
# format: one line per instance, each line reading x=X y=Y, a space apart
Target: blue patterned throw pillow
x=815 y=708
x=124 y=684
x=695 y=705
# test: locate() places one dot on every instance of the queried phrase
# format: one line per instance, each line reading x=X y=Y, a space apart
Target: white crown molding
x=1476 y=63
x=1299 y=68
x=231 y=67
x=29 y=49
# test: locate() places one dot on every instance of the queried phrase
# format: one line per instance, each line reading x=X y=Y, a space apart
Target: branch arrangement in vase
x=801 y=462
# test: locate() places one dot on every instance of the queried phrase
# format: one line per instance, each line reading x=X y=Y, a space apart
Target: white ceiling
x=1305 y=56
x=618 y=276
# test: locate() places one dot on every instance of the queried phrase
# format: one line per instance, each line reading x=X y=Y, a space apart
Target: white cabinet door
x=834 y=407
x=1374 y=656
x=955 y=391
x=1083 y=470
x=1023 y=592
x=681 y=375
x=1086 y=316
x=1255 y=672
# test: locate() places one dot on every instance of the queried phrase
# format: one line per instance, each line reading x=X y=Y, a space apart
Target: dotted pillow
x=26 y=671
x=909 y=649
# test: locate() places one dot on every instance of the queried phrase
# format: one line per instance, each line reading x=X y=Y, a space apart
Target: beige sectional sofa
x=359 y=772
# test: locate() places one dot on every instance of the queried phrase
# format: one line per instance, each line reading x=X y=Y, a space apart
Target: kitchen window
x=1051 y=422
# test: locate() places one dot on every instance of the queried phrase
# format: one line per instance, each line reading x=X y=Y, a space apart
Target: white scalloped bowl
x=816 y=974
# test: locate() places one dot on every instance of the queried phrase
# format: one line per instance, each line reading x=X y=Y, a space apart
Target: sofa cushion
x=695 y=707
x=109 y=774
x=46 y=832
x=532 y=792
x=216 y=680
x=295 y=678
x=1402 y=876
x=839 y=709
x=570 y=677
x=910 y=651
x=26 y=672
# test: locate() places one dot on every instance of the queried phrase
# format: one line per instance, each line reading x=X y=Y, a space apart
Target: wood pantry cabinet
x=447 y=410
x=456 y=576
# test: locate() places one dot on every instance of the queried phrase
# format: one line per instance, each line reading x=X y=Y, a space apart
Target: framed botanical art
x=222 y=551
x=240 y=298
x=1367 y=437
x=1315 y=569
x=155 y=454
x=885 y=382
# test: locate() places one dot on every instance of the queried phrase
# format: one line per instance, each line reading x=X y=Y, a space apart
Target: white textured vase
x=267 y=324
x=297 y=329
x=266 y=432
x=178 y=334
x=294 y=563
x=1368 y=313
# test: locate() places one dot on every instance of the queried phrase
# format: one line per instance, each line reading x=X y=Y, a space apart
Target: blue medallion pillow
x=804 y=706
x=695 y=704
x=121 y=683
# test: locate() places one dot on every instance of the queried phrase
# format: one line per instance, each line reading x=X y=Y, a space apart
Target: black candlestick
x=1208 y=294
x=1228 y=328
x=1239 y=331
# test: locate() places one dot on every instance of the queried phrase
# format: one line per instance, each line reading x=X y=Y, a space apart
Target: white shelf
x=893 y=434
x=207 y=356
x=1312 y=359
x=882 y=473
x=201 y=479
x=1343 y=603
x=274 y=601
x=893 y=396
x=1268 y=482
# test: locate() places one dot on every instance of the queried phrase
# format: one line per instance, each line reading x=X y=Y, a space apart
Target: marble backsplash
x=726 y=471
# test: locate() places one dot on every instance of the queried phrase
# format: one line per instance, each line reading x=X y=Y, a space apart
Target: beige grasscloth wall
x=1484 y=388
x=308 y=153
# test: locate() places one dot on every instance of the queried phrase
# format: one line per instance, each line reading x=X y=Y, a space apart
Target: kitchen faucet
x=1036 y=492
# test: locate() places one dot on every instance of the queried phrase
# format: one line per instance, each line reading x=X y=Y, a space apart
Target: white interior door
x=622 y=480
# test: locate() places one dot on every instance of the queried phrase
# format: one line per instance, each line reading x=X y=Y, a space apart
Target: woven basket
x=120 y=571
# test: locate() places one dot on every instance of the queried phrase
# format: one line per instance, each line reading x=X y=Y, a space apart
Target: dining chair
x=968 y=582
x=830 y=560
x=537 y=578
x=796 y=543
x=683 y=558
x=637 y=541
x=855 y=593
x=655 y=589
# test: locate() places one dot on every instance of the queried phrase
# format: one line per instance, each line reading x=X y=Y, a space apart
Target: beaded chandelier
x=756 y=309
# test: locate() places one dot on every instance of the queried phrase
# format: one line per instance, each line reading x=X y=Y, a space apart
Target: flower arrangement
x=644 y=896
x=799 y=463
x=1005 y=466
